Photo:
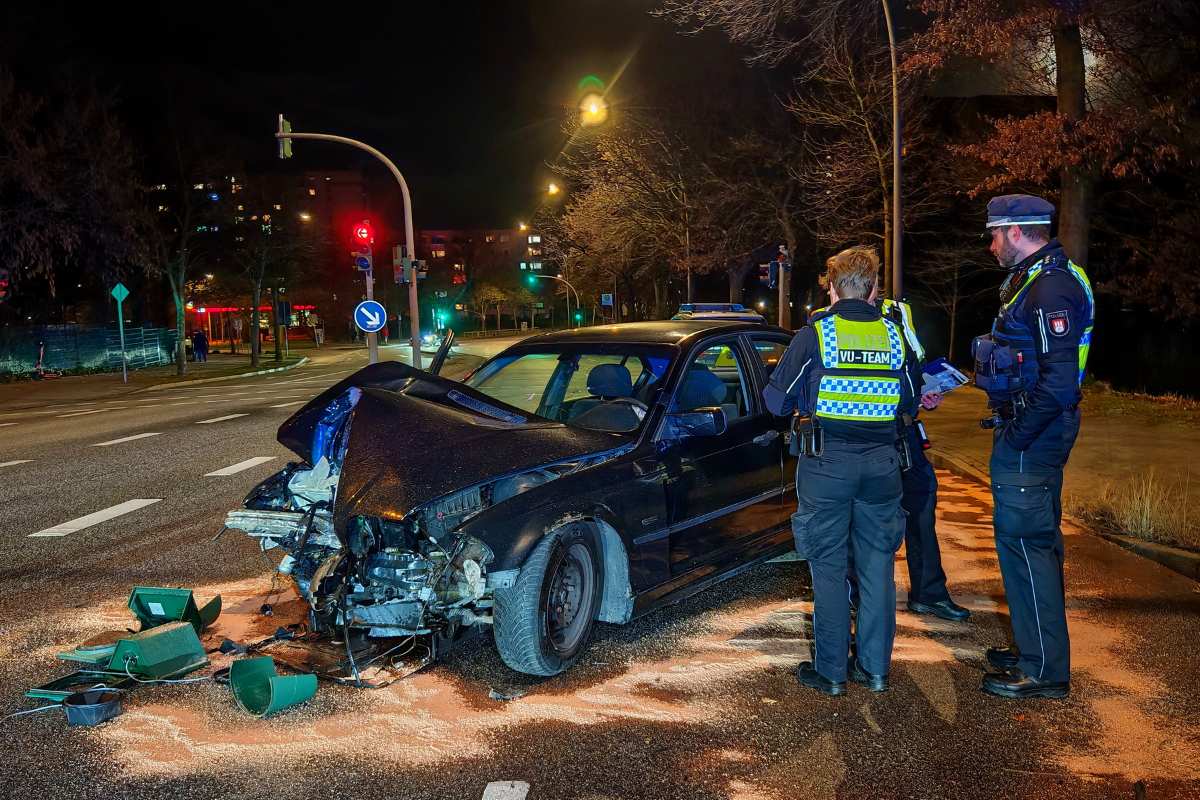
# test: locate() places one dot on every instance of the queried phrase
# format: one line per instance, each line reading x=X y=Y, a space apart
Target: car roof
x=749 y=316
x=657 y=332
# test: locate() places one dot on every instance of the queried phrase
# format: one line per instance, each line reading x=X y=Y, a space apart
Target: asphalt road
x=695 y=701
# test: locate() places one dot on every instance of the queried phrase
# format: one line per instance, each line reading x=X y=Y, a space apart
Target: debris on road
x=92 y=707
x=505 y=697
x=260 y=691
x=153 y=606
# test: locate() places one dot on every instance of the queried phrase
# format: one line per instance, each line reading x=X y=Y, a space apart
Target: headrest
x=609 y=380
x=700 y=389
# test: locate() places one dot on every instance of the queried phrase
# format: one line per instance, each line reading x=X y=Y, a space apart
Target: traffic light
x=532 y=280
x=363 y=236
x=5 y=286
x=578 y=317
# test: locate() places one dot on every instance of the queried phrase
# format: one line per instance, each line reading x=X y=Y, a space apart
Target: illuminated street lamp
x=593 y=110
x=305 y=216
x=553 y=188
x=521 y=226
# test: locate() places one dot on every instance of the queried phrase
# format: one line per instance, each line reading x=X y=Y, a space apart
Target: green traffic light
x=578 y=317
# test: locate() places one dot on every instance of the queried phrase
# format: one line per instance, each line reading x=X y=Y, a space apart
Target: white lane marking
x=293 y=403
x=124 y=439
x=95 y=519
x=184 y=403
x=93 y=411
x=220 y=419
x=233 y=469
x=13 y=463
x=506 y=790
x=6 y=424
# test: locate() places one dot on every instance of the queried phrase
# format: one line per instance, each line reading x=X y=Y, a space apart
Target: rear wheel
x=544 y=620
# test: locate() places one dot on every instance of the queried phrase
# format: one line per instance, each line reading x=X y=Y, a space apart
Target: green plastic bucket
x=258 y=690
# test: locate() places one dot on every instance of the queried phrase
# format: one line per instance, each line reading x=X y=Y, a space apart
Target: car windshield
x=599 y=387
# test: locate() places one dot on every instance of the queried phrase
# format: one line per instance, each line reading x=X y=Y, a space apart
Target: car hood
x=414 y=437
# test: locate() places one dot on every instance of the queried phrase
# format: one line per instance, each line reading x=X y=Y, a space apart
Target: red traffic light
x=364 y=233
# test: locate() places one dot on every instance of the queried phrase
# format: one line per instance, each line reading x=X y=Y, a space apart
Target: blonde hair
x=854 y=272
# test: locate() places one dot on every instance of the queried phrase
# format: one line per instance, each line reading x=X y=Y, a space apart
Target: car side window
x=769 y=351
x=715 y=377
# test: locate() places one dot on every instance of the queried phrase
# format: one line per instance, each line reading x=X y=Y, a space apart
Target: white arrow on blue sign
x=370 y=316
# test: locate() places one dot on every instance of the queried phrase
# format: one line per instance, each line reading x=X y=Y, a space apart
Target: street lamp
x=533 y=277
x=593 y=110
x=305 y=216
x=553 y=188
x=521 y=226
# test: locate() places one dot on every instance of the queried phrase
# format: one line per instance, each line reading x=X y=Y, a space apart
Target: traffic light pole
x=569 y=286
x=372 y=338
x=413 y=309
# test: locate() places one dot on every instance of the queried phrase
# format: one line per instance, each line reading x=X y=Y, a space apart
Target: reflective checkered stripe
x=858 y=399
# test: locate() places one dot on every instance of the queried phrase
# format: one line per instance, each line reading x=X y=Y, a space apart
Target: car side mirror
x=699 y=421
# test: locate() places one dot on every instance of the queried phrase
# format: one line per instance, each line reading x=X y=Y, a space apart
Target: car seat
x=607 y=382
x=702 y=389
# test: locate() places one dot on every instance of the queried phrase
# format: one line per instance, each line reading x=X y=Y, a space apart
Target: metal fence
x=83 y=347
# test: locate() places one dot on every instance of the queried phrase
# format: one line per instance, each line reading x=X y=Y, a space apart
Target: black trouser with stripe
x=849 y=498
x=1027 y=494
x=926 y=578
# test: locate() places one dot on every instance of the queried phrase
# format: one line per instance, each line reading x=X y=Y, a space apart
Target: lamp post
x=569 y=286
x=897 y=223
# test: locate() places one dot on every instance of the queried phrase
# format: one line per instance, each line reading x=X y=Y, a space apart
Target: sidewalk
x=1122 y=438
x=77 y=388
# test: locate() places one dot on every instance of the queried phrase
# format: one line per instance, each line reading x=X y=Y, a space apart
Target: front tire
x=545 y=619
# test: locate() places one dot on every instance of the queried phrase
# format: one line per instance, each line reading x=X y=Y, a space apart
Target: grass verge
x=1146 y=507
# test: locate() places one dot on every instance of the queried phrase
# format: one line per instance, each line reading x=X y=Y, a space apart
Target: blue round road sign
x=370 y=316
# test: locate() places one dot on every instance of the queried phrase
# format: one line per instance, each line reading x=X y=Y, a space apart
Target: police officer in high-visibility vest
x=1031 y=366
x=927 y=593
x=851 y=379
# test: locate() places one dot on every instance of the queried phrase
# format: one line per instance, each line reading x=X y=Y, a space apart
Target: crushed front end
x=385 y=578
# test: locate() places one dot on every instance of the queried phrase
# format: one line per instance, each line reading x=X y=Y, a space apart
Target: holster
x=903 y=423
x=807 y=437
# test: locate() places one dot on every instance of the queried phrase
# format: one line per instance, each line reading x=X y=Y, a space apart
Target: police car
x=734 y=312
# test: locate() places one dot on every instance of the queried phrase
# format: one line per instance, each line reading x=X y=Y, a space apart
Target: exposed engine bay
x=374 y=574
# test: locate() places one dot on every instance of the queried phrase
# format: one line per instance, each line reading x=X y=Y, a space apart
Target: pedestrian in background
x=1031 y=366
x=850 y=377
x=200 y=345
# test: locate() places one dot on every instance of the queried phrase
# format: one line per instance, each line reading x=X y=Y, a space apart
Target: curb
x=198 y=381
x=1185 y=562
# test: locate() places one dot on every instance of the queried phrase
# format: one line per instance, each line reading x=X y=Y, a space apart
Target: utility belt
x=1004 y=412
x=808 y=438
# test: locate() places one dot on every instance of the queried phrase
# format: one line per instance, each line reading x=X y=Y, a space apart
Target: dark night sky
x=467 y=97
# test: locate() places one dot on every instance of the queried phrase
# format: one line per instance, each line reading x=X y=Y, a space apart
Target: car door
x=769 y=348
x=722 y=490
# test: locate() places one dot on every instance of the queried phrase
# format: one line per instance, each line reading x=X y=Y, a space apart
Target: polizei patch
x=865 y=357
x=1059 y=323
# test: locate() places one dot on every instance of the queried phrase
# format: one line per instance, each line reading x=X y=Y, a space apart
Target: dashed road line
x=14 y=463
x=286 y=405
x=124 y=439
x=6 y=424
x=234 y=469
x=75 y=525
x=220 y=419
x=93 y=411
x=506 y=790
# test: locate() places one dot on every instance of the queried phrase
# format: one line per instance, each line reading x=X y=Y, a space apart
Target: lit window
x=438 y=252
x=489 y=238
x=328 y=178
x=535 y=238
x=198 y=186
x=535 y=265
x=235 y=188
x=458 y=267
x=278 y=207
x=241 y=208
x=238 y=220
x=162 y=208
x=504 y=237
x=535 y=251
x=312 y=192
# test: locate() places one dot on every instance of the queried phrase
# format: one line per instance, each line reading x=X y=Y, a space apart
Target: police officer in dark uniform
x=1031 y=366
x=851 y=378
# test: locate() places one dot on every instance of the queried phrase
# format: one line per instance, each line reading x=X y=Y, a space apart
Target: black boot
x=876 y=683
x=808 y=676
x=1018 y=685
x=1003 y=658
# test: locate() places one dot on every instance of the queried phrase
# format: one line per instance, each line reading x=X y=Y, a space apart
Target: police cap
x=1018 y=209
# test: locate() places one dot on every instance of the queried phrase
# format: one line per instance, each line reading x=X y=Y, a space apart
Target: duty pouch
x=807 y=437
x=996 y=368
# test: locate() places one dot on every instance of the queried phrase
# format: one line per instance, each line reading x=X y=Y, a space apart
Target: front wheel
x=544 y=620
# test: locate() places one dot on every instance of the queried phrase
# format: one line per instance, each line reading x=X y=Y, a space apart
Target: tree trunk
x=658 y=310
x=1076 y=180
x=255 y=342
x=180 y=324
x=953 y=327
x=737 y=280
x=497 y=317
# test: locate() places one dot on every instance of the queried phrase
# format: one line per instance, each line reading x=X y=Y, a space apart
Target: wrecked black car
x=578 y=476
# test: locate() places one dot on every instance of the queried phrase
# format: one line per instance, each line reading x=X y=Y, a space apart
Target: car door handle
x=766 y=438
